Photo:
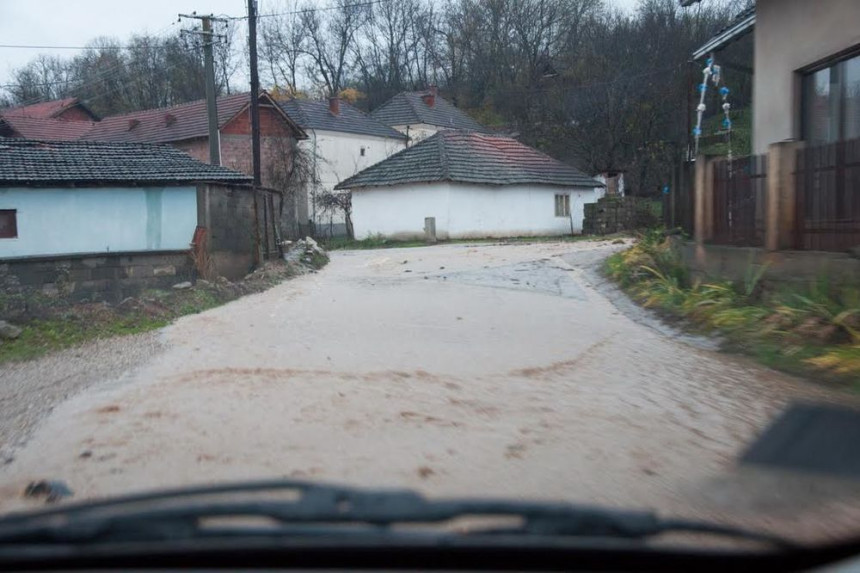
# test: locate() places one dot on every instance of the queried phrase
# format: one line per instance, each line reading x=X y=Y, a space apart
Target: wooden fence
x=739 y=192
x=827 y=183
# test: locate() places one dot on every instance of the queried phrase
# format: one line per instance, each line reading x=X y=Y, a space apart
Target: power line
x=111 y=73
x=309 y=10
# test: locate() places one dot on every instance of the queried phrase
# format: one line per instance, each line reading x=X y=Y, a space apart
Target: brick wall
x=99 y=277
x=196 y=148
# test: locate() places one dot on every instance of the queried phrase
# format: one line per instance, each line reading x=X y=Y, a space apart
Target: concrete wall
x=110 y=277
x=790 y=35
x=465 y=211
x=338 y=157
x=717 y=262
x=53 y=221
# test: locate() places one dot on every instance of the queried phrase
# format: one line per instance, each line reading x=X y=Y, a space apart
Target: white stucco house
x=473 y=185
x=342 y=141
x=419 y=115
x=69 y=198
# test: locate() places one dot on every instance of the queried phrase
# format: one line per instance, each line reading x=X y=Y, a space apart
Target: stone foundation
x=103 y=277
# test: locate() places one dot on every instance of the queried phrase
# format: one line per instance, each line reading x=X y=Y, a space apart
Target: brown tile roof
x=43 y=110
x=470 y=157
x=39 y=128
x=176 y=123
x=41 y=121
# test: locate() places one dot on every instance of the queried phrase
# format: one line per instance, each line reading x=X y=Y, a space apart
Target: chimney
x=429 y=99
x=334 y=105
x=169 y=119
x=132 y=123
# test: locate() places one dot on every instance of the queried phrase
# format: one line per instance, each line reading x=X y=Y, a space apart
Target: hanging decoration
x=727 y=120
x=712 y=73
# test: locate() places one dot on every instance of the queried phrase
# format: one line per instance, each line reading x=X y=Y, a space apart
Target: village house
x=66 y=119
x=421 y=114
x=103 y=220
x=342 y=141
x=469 y=185
x=185 y=126
x=799 y=190
x=806 y=83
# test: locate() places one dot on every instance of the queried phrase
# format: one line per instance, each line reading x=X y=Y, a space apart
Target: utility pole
x=255 y=121
x=255 y=90
x=209 y=39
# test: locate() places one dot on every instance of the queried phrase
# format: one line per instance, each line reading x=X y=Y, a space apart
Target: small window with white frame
x=562 y=205
x=8 y=224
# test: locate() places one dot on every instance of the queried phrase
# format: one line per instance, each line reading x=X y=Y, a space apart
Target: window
x=562 y=205
x=831 y=102
x=8 y=224
x=362 y=152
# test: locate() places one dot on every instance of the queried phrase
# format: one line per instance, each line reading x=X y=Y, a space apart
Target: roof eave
x=726 y=37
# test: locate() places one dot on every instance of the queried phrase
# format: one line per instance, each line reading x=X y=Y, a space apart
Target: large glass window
x=831 y=102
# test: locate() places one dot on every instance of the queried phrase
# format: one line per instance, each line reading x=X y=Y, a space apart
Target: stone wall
x=97 y=277
x=718 y=262
x=612 y=214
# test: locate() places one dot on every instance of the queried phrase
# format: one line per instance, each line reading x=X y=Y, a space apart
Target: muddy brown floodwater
x=501 y=370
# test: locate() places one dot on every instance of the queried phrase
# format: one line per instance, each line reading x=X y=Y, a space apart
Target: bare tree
x=283 y=48
x=331 y=41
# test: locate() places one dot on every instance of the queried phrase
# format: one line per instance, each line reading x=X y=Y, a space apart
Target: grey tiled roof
x=469 y=157
x=409 y=108
x=316 y=115
x=34 y=162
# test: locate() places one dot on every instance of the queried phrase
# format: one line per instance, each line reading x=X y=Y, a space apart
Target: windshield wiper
x=322 y=510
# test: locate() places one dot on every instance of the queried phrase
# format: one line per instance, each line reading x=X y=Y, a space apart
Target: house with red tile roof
x=60 y=120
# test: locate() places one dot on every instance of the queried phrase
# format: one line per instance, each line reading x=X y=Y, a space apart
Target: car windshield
x=575 y=251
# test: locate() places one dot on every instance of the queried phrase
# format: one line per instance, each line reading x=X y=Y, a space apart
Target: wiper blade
x=325 y=510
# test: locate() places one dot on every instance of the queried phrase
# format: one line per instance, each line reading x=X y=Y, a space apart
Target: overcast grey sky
x=75 y=22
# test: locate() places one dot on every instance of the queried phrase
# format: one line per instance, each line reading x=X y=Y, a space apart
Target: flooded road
x=500 y=370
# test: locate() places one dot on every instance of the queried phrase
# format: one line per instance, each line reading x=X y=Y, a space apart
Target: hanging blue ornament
x=727 y=123
x=724 y=91
x=709 y=61
x=702 y=87
x=697 y=131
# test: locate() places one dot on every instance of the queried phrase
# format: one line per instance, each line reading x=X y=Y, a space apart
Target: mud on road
x=501 y=370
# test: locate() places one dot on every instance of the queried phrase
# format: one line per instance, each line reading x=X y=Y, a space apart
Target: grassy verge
x=813 y=331
x=56 y=325
x=380 y=242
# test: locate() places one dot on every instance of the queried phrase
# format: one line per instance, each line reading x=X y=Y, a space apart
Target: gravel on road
x=30 y=390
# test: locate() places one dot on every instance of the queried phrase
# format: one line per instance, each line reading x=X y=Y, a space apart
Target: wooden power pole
x=209 y=39
x=255 y=90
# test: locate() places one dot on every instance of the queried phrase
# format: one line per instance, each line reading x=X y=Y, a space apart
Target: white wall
x=466 y=211
x=789 y=35
x=338 y=156
x=417 y=131
x=55 y=221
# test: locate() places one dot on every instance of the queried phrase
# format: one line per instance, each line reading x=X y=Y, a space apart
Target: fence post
x=780 y=211
x=704 y=199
